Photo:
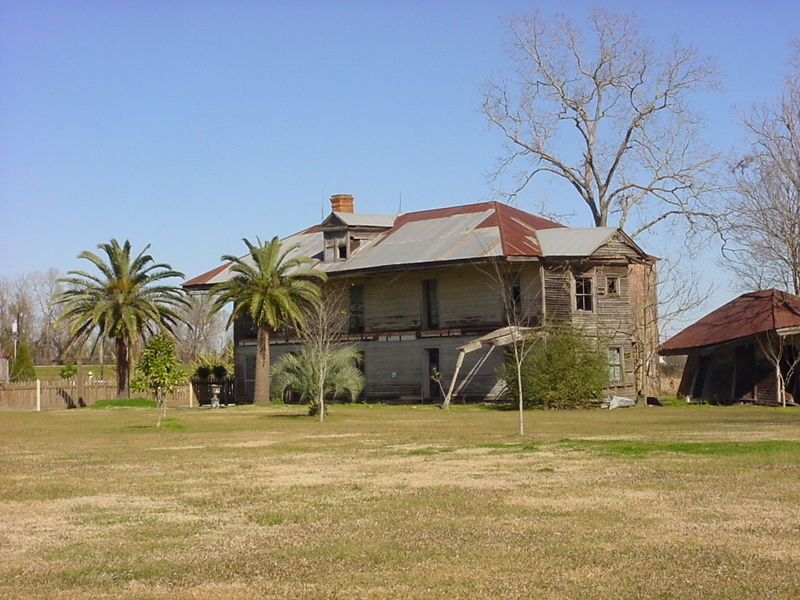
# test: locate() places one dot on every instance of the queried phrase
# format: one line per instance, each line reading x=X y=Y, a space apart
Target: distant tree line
x=28 y=301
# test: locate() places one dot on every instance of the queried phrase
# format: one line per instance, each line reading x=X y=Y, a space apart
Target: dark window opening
x=583 y=294
x=434 y=374
x=612 y=286
x=356 y=323
x=513 y=296
x=430 y=304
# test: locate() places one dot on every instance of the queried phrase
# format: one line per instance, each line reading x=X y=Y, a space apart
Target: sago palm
x=124 y=301
x=274 y=290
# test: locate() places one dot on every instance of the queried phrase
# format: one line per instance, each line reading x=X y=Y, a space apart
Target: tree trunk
x=123 y=369
x=261 y=394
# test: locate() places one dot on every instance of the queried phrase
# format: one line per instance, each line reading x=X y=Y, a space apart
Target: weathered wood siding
x=399 y=370
x=468 y=297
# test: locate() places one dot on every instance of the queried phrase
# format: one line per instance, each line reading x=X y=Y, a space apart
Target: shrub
x=68 y=371
x=562 y=368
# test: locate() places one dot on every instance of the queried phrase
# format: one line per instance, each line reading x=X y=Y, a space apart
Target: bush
x=562 y=368
x=68 y=371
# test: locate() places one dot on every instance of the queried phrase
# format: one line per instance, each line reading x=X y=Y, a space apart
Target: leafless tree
x=330 y=359
x=783 y=353
x=761 y=228
x=608 y=113
x=204 y=331
x=26 y=299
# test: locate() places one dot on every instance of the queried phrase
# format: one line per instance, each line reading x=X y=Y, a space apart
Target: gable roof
x=743 y=317
x=574 y=242
x=439 y=236
x=344 y=219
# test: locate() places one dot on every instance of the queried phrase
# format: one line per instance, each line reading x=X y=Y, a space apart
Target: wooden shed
x=746 y=350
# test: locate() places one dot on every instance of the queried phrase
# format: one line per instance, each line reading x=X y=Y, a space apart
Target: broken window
x=612 y=286
x=336 y=247
x=615 y=364
x=584 y=298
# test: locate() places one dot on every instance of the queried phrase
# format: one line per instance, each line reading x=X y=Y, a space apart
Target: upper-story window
x=336 y=246
x=584 y=294
x=612 y=285
x=430 y=304
x=356 y=321
x=512 y=299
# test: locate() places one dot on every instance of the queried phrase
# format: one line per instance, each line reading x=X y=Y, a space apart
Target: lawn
x=400 y=503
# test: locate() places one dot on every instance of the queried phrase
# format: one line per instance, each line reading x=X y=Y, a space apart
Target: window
x=336 y=247
x=584 y=300
x=430 y=304
x=513 y=296
x=612 y=286
x=356 y=323
x=615 y=364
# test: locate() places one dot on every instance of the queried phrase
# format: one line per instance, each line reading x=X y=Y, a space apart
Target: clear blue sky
x=192 y=124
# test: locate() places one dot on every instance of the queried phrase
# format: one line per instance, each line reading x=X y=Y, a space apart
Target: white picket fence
x=64 y=394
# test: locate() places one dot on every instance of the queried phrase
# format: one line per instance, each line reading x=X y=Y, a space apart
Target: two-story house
x=422 y=284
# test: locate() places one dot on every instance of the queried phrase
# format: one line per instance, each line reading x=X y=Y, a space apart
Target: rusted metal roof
x=743 y=317
x=443 y=235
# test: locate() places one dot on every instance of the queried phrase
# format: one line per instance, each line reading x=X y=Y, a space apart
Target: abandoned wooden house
x=420 y=285
x=746 y=350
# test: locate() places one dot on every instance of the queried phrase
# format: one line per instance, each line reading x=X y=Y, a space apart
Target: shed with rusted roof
x=746 y=350
x=420 y=285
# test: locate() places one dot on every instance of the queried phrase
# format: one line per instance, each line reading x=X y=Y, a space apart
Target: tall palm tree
x=273 y=290
x=124 y=301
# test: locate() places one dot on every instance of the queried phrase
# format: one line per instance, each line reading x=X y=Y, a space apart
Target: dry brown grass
x=400 y=502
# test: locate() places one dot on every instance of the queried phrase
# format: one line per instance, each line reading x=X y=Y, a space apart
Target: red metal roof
x=743 y=317
x=516 y=228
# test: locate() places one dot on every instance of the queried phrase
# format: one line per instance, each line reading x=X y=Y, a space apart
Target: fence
x=58 y=395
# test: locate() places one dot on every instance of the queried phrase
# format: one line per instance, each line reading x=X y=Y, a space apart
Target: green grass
x=400 y=503
x=53 y=372
x=123 y=403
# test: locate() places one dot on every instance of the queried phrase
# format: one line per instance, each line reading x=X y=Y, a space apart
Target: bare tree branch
x=621 y=102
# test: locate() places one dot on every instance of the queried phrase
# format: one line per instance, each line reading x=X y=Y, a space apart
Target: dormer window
x=336 y=246
x=344 y=231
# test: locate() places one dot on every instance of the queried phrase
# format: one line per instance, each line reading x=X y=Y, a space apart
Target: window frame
x=430 y=304
x=616 y=364
x=582 y=298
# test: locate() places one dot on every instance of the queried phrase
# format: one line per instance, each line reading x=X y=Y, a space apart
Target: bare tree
x=204 y=330
x=783 y=353
x=327 y=363
x=761 y=228
x=608 y=114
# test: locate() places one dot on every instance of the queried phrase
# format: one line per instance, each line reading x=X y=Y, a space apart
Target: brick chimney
x=342 y=203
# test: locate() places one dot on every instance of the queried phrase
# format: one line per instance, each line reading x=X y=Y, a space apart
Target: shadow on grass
x=293 y=416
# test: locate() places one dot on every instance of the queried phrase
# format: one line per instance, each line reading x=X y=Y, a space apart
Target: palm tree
x=314 y=376
x=273 y=290
x=123 y=302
